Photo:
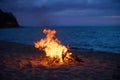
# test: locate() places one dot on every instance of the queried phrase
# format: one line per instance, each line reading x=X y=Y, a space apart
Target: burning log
x=55 y=52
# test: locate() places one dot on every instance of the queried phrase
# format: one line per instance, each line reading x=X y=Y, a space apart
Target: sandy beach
x=16 y=64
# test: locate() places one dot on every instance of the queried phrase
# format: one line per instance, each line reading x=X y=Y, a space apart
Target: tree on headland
x=7 y=19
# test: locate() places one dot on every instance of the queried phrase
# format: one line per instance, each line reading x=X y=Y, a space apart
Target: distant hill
x=7 y=20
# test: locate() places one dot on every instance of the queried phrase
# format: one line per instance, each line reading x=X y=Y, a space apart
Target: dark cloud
x=57 y=5
x=45 y=9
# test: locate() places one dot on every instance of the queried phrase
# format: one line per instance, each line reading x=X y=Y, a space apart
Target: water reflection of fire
x=53 y=47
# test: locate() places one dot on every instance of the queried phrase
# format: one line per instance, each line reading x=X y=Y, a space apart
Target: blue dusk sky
x=64 y=12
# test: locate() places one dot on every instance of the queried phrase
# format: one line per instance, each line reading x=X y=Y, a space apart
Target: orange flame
x=52 y=46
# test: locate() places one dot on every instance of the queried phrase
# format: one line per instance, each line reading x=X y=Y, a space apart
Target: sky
x=63 y=12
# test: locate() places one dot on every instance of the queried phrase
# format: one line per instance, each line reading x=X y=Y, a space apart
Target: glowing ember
x=53 y=47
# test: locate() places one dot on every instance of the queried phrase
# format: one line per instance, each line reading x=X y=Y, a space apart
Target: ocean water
x=96 y=38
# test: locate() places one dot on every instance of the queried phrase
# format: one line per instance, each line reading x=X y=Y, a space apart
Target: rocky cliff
x=8 y=20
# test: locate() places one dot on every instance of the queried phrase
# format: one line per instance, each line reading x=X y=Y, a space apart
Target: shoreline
x=72 y=48
x=12 y=45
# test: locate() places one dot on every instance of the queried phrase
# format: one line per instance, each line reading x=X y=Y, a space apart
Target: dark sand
x=15 y=65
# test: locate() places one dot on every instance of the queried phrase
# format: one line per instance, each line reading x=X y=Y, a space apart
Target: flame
x=52 y=46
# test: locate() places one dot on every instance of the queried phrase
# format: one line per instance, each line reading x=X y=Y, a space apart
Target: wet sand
x=16 y=64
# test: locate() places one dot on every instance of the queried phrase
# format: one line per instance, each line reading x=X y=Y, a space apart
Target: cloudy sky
x=64 y=12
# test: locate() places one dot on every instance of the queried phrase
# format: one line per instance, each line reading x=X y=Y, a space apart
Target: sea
x=98 y=38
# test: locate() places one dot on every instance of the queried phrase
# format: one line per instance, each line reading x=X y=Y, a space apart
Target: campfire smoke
x=53 y=47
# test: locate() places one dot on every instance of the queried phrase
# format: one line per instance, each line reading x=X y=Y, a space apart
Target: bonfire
x=55 y=51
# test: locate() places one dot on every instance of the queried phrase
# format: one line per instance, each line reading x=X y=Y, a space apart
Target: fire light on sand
x=55 y=52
